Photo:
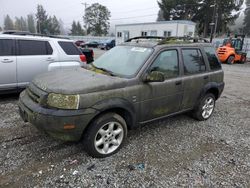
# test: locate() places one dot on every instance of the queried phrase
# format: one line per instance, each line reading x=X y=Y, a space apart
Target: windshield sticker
x=138 y=49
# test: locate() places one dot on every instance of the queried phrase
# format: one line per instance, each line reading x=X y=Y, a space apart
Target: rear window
x=6 y=47
x=33 y=47
x=69 y=48
x=193 y=61
x=212 y=58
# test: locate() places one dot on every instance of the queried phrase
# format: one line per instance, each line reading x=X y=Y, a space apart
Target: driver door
x=162 y=98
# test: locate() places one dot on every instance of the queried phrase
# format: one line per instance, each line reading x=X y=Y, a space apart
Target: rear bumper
x=52 y=121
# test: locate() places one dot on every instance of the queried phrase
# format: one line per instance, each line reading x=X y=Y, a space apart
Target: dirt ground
x=176 y=152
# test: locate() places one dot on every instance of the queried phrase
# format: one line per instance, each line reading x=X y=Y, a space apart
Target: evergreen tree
x=18 y=24
x=53 y=26
x=97 y=19
x=8 y=23
x=76 y=29
x=42 y=20
x=23 y=24
x=247 y=18
x=201 y=12
x=31 y=23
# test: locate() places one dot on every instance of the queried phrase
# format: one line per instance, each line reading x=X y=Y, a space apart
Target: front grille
x=37 y=95
x=33 y=96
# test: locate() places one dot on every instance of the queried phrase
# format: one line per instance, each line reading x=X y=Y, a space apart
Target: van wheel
x=105 y=136
x=230 y=60
x=205 y=108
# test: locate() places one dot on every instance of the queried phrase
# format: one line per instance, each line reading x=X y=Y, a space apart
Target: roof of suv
x=33 y=37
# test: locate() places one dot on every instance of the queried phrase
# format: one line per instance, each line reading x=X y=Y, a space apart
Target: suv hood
x=78 y=81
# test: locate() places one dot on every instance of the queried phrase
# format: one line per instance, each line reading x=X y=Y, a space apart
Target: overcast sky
x=122 y=11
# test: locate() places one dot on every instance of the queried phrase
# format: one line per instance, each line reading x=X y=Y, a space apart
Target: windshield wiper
x=104 y=70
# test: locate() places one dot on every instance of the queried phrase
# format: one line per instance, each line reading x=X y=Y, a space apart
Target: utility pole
x=212 y=24
x=216 y=19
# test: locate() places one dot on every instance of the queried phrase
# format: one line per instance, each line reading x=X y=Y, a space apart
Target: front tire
x=105 y=135
x=205 y=108
x=230 y=60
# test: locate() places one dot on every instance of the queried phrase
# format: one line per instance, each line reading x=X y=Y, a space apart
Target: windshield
x=123 y=61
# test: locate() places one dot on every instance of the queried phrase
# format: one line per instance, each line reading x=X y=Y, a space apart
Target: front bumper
x=52 y=121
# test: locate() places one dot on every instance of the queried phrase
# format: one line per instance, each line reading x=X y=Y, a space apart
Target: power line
x=133 y=10
x=149 y=15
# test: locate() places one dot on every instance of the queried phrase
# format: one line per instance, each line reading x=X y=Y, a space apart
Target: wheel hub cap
x=109 y=137
x=208 y=108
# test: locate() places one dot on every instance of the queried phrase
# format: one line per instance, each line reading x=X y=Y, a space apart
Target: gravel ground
x=176 y=152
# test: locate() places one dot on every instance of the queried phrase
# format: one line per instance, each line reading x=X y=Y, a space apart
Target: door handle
x=50 y=59
x=7 y=61
x=178 y=83
x=205 y=77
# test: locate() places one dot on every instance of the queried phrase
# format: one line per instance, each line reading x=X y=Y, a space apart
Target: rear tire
x=105 y=135
x=243 y=60
x=205 y=108
x=230 y=60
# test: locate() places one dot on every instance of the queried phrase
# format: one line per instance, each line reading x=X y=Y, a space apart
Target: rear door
x=196 y=76
x=8 y=78
x=33 y=58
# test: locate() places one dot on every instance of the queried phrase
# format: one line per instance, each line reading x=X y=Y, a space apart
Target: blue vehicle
x=107 y=45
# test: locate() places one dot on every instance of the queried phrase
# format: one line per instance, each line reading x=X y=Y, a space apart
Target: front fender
x=116 y=103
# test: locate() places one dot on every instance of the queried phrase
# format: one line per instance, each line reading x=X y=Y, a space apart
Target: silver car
x=24 y=57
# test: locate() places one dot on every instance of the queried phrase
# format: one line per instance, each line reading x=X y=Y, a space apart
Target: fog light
x=69 y=127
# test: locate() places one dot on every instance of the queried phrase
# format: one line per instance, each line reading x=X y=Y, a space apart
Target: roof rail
x=164 y=40
x=25 y=33
x=185 y=39
x=145 y=37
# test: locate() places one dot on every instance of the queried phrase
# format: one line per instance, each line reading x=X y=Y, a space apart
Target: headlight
x=67 y=102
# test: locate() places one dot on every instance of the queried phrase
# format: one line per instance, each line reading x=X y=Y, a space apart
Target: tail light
x=83 y=58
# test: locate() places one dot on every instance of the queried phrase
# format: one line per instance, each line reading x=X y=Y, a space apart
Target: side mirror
x=154 y=76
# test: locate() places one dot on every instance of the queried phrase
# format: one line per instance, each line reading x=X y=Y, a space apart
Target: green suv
x=138 y=82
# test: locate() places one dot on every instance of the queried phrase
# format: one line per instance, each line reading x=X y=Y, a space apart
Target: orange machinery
x=231 y=50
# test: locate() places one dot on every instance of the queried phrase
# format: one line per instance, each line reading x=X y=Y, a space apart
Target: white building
x=177 y=28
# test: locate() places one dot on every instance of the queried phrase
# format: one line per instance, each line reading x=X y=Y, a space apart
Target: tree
x=246 y=22
x=17 y=24
x=160 y=16
x=201 y=12
x=177 y=9
x=76 y=29
x=42 y=20
x=53 y=26
x=31 y=23
x=8 y=23
x=97 y=19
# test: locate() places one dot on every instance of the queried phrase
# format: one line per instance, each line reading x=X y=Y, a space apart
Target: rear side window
x=6 y=47
x=212 y=58
x=32 y=47
x=69 y=48
x=193 y=61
